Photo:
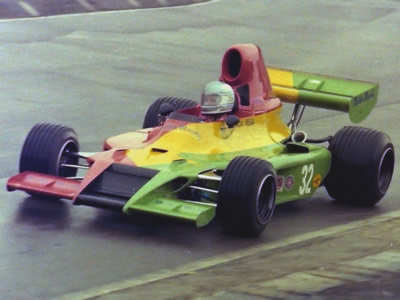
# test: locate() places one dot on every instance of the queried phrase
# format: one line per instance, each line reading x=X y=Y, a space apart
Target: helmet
x=218 y=97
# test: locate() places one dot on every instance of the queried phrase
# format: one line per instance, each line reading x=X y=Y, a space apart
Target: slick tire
x=246 y=196
x=362 y=166
x=151 y=118
x=46 y=147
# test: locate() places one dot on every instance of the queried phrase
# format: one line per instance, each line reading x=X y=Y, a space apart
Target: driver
x=218 y=98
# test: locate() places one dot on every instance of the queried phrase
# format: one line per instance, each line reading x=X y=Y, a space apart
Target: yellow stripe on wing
x=282 y=85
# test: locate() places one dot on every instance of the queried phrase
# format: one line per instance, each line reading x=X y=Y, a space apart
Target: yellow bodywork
x=213 y=138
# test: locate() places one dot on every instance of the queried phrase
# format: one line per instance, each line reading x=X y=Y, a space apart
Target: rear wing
x=354 y=97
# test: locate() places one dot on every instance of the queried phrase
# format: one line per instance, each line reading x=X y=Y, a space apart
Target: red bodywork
x=242 y=67
x=44 y=184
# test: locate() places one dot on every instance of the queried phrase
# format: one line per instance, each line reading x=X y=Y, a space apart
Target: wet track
x=99 y=73
x=37 y=8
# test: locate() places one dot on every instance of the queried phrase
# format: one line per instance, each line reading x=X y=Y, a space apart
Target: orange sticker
x=316 y=180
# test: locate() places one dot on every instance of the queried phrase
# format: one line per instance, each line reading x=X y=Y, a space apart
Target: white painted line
x=210 y=262
x=134 y=3
x=86 y=5
x=385 y=261
x=101 y=13
x=298 y=283
x=344 y=273
x=28 y=8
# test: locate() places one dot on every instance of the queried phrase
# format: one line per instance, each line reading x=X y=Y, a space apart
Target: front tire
x=246 y=198
x=46 y=148
x=362 y=166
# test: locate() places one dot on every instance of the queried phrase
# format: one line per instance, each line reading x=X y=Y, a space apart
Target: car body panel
x=212 y=138
x=300 y=171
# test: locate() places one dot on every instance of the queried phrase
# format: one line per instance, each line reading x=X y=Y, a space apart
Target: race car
x=229 y=157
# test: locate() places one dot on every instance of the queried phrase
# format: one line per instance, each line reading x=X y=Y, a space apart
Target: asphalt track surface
x=98 y=73
x=39 y=8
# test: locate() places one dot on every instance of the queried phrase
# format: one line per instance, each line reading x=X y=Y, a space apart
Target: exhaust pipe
x=299 y=137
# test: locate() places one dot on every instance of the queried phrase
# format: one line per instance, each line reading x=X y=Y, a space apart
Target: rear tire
x=151 y=118
x=362 y=166
x=246 y=198
x=46 y=147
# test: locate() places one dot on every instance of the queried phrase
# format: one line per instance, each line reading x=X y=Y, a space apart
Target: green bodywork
x=299 y=163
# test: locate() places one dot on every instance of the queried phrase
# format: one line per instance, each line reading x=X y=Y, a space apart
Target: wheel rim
x=385 y=170
x=64 y=158
x=266 y=199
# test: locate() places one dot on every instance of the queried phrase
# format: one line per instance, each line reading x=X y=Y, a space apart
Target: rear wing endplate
x=357 y=98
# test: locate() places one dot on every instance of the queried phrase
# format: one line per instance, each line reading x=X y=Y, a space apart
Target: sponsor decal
x=249 y=122
x=316 y=180
x=279 y=183
x=192 y=131
x=226 y=132
x=289 y=182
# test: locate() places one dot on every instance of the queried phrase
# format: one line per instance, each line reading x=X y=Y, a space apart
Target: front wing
x=124 y=188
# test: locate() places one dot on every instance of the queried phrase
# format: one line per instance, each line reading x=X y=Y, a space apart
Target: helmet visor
x=215 y=103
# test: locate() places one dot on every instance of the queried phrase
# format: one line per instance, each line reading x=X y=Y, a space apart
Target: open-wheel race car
x=231 y=157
